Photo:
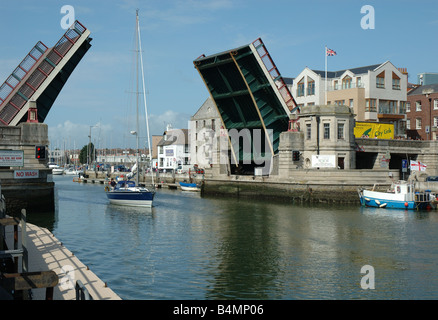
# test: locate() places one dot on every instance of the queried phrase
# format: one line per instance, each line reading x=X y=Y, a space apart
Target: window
x=346 y=83
x=435 y=121
x=408 y=107
x=417 y=105
x=370 y=105
x=341 y=131
x=435 y=104
x=418 y=123
x=359 y=82
x=213 y=125
x=395 y=82
x=380 y=80
x=335 y=86
x=300 y=88
x=326 y=131
x=351 y=103
x=308 y=131
x=311 y=88
x=408 y=124
x=393 y=107
x=402 y=107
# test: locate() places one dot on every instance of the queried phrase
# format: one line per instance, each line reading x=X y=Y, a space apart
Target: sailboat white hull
x=57 y=171
x=133 y=197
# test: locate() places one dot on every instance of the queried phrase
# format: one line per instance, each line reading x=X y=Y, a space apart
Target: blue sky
x=174 y=33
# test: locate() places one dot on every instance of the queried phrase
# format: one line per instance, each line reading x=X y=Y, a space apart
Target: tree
x=85 y=151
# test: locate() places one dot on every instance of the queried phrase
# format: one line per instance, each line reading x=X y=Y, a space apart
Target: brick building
x=422 y=112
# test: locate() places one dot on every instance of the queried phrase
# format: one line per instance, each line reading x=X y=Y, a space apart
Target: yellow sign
x=374 y=130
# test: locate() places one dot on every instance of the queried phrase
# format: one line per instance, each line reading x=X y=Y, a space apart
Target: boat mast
x=137 y=96
x=144 y=98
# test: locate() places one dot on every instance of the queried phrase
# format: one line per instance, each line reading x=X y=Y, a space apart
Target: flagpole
x=325 y=75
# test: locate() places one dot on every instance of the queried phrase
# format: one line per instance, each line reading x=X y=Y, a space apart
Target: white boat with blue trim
x=126 y=193
x=189 y=186
x=401 y=195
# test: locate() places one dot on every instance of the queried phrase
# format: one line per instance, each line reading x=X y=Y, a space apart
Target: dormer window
x=346 y=82
x=380 y=80
x=300 y=88
x=395 y=82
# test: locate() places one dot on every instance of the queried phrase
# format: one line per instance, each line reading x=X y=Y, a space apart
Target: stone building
x=204 y=125
x=326 y=140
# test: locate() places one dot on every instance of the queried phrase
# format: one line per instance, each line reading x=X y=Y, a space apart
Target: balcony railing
x=344 y=86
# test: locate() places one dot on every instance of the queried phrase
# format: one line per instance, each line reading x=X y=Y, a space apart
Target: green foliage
x=87 y=149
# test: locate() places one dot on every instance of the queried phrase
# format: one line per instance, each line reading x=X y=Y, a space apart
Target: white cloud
x=158 y=123
x=106 y=135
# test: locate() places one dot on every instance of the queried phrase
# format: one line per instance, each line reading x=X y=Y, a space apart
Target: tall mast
x=145 y=104
x=137 y=93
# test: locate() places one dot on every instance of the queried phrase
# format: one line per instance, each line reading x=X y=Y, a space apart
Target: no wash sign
x=26 y=174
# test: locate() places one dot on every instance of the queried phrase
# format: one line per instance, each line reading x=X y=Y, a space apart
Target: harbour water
x=188 y=247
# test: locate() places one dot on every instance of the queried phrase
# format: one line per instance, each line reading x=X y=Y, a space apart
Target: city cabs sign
x=374 y=130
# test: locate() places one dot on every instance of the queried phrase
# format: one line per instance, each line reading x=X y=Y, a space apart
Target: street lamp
x=427 y=92
x=89 y=146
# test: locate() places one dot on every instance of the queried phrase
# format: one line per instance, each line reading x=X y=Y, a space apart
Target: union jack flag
x=330 y=52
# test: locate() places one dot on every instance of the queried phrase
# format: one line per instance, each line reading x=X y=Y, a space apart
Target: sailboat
x=127 y=192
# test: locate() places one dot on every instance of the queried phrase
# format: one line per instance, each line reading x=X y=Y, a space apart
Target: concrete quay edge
x=46 y=252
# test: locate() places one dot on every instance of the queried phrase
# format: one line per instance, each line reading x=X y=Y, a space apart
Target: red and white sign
x=26 y=174
x=11 y=158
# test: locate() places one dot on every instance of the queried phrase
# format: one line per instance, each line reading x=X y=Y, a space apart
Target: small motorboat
x=401 y=195
x=189 y=186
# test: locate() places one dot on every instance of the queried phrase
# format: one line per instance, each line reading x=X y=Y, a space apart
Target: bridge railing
x=275 y=74
x=33 y=71
x=22 y=70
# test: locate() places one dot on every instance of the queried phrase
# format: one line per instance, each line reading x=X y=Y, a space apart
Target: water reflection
x=188 y=247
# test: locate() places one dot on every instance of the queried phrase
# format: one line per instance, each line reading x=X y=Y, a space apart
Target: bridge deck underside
x=245 y=99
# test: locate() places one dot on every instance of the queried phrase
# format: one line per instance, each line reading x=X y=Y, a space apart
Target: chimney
x=404 y=71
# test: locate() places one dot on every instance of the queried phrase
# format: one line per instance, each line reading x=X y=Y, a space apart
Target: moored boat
x=72 y=171
x=189 y=186
x=401 y=195
x=58 y=171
